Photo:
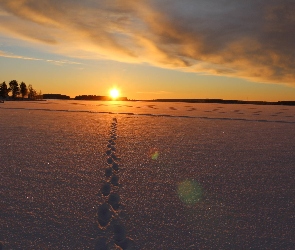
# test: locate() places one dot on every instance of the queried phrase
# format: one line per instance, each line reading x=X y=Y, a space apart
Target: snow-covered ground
x=146 y=175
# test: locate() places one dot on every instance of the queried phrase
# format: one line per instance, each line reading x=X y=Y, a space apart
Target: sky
x=151 y=49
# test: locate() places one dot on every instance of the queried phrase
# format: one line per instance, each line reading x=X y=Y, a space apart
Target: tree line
x=17 y=90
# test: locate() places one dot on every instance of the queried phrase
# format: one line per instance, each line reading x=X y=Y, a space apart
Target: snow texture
x=146 y=175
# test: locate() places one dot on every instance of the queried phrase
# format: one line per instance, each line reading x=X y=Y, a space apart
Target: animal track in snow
x=108 y=213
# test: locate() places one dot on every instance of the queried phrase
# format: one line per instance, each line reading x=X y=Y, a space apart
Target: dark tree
x=4 y=90
x=14 y=88
x=23 y=89
x=32 y=93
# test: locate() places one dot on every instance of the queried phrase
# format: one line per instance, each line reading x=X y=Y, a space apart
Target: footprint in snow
x=106 y=189
x=108 y=172
x=104 y=215
x=114 y=201
x=109 y=209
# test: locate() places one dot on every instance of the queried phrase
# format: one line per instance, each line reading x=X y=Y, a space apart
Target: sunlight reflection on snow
x=189 y=192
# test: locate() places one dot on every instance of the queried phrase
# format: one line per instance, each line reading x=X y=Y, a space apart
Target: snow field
x=73 y=177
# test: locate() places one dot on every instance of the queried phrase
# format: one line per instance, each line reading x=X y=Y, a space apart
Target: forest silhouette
x=17 y=90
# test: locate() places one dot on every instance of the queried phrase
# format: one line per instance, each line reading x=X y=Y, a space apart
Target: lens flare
x=189 y=192
x=154 y=154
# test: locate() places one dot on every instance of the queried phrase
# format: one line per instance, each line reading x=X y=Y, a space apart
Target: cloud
x=56 y=62
x=7 y=55
x=248 y=39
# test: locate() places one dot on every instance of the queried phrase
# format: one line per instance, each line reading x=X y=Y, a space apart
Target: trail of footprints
x=108 y=213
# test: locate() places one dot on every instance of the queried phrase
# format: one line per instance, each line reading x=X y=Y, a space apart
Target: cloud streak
x=250 y=39
x=56 y=62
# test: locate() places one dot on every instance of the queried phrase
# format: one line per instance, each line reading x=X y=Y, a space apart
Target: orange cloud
x=250 y=39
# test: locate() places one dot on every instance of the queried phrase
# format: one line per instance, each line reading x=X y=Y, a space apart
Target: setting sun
x=114 y=93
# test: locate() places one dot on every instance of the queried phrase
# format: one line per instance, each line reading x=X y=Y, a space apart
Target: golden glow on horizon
x=114 y=93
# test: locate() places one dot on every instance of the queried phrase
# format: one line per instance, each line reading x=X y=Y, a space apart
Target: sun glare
x=114 y=93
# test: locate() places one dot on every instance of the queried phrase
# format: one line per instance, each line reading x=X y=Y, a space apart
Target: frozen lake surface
x=146 y=175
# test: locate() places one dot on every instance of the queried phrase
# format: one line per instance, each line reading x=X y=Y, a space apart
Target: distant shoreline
x=221 y=101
